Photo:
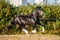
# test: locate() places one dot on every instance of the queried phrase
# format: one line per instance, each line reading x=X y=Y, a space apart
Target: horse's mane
x=31 y=12
x=39 y=7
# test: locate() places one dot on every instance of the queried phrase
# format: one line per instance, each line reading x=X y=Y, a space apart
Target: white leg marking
x=43 y=29
x=27 y=33
x=34 y=31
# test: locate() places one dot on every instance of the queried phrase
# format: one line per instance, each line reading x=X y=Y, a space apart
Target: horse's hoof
x=28 y=34
x=33 y=31
x=43 y=31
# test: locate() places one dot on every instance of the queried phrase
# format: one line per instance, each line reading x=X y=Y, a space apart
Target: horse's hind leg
x=7 y=28
x=20 y=28
x=25 y=30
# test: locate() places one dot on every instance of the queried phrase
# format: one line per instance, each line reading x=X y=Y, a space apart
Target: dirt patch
x=32 y=37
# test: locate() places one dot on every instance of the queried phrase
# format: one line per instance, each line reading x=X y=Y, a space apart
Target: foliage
x=8 y=12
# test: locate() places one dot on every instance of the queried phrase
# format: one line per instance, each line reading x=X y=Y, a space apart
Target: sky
x=48 y=1
x=31 y=1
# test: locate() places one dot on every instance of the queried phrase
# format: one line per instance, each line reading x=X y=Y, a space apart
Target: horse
x=32 y=19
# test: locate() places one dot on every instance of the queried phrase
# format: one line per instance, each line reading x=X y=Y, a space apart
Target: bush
x=8 y=12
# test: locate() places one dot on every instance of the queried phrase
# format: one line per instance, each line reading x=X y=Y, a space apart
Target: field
x=32 y=37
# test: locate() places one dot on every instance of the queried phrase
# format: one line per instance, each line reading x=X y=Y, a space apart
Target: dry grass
x=32 y=37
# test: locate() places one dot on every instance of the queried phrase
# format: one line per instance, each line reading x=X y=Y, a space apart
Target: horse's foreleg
x=43 y=28
x=34 y=29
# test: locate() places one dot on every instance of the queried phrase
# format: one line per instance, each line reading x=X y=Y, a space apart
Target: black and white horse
x=31 y=20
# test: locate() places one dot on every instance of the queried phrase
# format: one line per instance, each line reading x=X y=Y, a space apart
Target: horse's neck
x=34 y=15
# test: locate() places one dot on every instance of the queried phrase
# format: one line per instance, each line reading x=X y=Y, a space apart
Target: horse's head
x=39 y=11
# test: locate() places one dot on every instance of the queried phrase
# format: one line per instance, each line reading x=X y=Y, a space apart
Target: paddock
x=32 y=37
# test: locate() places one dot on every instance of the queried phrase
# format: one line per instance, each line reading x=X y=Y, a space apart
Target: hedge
x=8 y=12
